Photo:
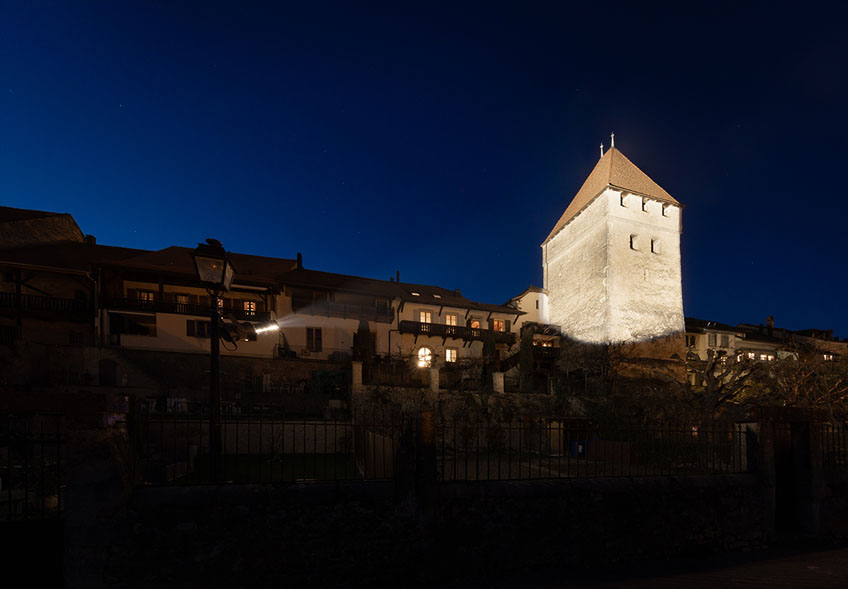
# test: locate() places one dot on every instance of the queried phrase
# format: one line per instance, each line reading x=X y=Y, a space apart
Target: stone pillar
x=356 y=377
x=498 y=382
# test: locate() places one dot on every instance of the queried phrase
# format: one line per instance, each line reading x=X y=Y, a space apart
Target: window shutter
x=491 y=324
x=506 y=325
x=190 y=327
x=318 y=347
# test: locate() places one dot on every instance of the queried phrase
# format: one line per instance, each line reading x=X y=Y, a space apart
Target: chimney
x=299 y=264
x=770 y=325
x=457 y=293
x=90 y=240
x=391 y=278
x=397 y=276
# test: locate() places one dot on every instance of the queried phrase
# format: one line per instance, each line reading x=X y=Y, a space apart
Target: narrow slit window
x=634 y=242
x=656 y=246
x=665 y=210
x=645 y=204
x=624 y=200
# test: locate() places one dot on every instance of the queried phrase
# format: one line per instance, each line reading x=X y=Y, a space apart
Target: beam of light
x=267 y=328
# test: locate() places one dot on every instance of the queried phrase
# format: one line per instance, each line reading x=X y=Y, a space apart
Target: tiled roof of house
x=67 y=256
x=426 y=294
x=178 y=260
x=21 y=227
x=616 y=171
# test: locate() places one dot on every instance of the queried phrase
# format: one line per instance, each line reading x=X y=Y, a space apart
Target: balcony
x=455 y=331
x=42 y=304
x=183 y=309
x=381 y=314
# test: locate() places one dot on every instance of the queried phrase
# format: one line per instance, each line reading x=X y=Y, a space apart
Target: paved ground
x=813 y=567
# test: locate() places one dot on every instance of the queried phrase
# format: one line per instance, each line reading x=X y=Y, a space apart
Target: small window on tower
x=656 y=246
x=645 y=204
x=634 y=242
x=624 y=200
x=665 y=210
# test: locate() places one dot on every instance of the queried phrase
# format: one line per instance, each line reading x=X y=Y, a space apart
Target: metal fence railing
x=275 y=448
x=32 y=466
x=264 y=448
x=547 y=449
x=834 y=447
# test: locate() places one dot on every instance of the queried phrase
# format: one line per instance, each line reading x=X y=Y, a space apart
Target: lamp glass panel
x=210 y=270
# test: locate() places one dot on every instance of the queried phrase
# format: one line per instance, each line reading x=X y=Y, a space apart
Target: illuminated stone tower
x=612 y=262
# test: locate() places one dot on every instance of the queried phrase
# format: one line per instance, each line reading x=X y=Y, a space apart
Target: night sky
x=440 y=140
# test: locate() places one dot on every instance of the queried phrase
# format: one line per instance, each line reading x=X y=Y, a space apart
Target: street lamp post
x=214 y=270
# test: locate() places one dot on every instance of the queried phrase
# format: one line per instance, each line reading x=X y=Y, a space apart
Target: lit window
x=181 y=299
x=220 y=304
x=656 y=246
x=145 y=296
x=425 y=316
x=450 y=355
x=249 y=308
x=645 y=204
x=770 y=358
x=498 y=325
x=415 y=294
x=425 y=357
x=474 y=324
x=438 y=296
x=634 y=242
x=828 y=357
x=752 y=356
x=450 y=319
x=763 y=357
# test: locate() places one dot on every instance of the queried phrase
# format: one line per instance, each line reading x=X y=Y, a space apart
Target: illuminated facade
x=611 y=264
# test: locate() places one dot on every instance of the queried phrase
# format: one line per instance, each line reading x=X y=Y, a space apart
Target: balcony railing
x=455 y=331
x=382 y=314
x=183 y=309
x=41 y=303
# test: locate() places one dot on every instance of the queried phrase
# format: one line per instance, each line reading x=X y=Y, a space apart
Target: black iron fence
x=173 y=449
x=834 y=447
x=549 y=449
x=32 y=466
x=270 y=448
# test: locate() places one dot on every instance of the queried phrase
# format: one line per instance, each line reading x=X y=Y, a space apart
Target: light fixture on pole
x=213 y=268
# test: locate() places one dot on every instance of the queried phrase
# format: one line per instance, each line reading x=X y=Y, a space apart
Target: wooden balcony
x=381 y=314
x=455 y=332
x=183 y=309
x=40 y=304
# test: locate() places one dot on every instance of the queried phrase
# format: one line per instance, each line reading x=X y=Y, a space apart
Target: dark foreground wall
x=357 y=534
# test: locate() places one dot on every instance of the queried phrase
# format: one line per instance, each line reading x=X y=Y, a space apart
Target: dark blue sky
x=443 y=140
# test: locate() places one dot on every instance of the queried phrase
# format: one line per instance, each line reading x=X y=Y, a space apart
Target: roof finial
x=602 y=150
x=612 y=140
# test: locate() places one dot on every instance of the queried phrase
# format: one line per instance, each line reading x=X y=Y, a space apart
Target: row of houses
x=59 y=287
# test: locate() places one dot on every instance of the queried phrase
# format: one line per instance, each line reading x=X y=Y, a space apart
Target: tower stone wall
x=612 y=263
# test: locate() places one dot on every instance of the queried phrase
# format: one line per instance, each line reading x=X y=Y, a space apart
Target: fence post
x=425 y=472
x=767 y=476
x=405 y=474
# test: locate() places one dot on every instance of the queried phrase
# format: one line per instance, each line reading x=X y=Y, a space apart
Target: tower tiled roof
x=616 y=171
